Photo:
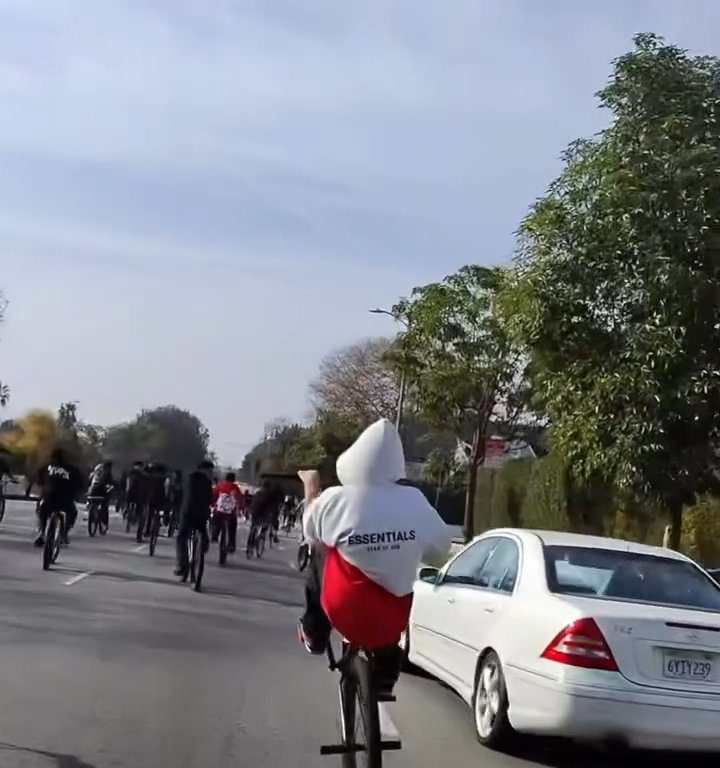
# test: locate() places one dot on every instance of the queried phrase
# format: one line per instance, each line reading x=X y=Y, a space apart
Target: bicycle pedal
x=341 y=749
x=386 y=698
x=390 y=745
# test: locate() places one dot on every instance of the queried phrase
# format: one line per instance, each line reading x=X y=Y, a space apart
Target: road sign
x=496 y=453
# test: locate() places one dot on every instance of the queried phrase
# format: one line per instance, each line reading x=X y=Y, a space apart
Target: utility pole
x=403 y=379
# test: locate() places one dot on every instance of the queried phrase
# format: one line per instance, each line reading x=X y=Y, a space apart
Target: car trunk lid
x=668 y=648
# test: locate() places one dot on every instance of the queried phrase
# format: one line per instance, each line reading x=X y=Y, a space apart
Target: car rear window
x=629 y=576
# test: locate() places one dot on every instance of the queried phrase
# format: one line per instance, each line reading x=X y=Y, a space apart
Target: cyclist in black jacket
x=197 y=500
x=60 y=481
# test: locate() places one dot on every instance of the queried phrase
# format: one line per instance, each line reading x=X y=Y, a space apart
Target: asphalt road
x=108 y=662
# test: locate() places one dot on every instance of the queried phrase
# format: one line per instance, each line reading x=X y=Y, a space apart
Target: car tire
x=490 y=704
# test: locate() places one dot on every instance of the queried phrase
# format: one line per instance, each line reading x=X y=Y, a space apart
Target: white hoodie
x=384 y=529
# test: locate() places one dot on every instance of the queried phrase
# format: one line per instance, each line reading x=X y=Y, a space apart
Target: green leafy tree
x=617 y=291
x=459 y=360
x=168 y=434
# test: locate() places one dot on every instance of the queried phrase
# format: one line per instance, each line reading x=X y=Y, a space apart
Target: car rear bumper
x=641 y=719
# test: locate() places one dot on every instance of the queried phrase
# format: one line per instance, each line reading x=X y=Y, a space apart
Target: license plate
x=685 y=666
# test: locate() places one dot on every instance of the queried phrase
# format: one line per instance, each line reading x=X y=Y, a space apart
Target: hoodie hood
x=375 y=458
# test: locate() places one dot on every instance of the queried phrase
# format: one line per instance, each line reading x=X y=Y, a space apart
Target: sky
x=201 y=198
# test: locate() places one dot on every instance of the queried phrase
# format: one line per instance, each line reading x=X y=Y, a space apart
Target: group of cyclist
x=149 y=490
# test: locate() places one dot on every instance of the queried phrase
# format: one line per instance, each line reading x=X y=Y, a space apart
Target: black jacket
x=136 y=486
x=60 y=483
x=265 y=505
x=197 y=497
x=156 y=491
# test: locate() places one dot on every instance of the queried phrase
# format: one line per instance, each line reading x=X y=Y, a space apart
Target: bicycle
x=359 y=711
x=55 y=531
x=96 y=516
x=196 y=559
x=256 y=540
x=173 y=523
x=154 y=530
x=130 y=515
x=303 y=556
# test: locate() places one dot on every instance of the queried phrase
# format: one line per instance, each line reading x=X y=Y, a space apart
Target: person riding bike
x=60 y=482
x=369 y=537
x=198 y=498
x=4 y=472
x=263 y=508
x=120 y=491
x=174 y=495
x=101 y=484
x=156 y=498
x=136 y=492
x=228 y=503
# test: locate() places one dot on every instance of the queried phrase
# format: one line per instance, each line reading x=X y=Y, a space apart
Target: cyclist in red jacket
x=229 y=503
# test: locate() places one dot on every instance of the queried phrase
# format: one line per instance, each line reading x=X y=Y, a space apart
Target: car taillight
x=581 y=645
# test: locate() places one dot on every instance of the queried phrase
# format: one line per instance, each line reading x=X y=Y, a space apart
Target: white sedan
x=576 y=636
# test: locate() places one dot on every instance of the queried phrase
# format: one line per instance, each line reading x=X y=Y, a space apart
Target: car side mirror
x=429 y=575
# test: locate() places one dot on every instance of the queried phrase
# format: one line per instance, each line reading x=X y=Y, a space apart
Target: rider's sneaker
x=39 y=540
x=315 y=650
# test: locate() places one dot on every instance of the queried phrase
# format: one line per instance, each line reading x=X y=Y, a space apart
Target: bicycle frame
x=346 y=665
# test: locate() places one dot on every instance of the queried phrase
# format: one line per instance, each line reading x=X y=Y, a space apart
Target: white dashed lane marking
x=75 y=579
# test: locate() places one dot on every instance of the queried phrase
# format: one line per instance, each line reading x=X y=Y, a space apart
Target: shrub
x=509 y=491
x=701 y=531
x=545 y=503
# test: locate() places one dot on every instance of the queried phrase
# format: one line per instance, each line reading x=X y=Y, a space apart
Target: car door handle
x=450 y=599
x=488 y=609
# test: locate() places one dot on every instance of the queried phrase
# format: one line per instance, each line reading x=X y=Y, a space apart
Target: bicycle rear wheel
x=92 y=518
x=222 y=543
x=104 y=520
x=200 y=565
x=361 y=719
x=154 y=533
x=260 y=543
x=2 y=507
x=50 y=534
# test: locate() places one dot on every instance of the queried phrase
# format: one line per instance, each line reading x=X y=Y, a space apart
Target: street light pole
x=403 y=379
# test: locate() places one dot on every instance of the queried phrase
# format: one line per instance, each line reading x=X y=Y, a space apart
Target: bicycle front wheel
x=2 y=507
x=361 y=719
x=303 y=557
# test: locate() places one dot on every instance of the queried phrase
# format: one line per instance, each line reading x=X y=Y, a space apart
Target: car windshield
x=629 y=576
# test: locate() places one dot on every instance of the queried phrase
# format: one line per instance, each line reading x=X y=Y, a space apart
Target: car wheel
x=490 y=704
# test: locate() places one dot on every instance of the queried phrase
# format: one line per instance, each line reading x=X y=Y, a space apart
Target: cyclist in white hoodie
x=373 y=534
